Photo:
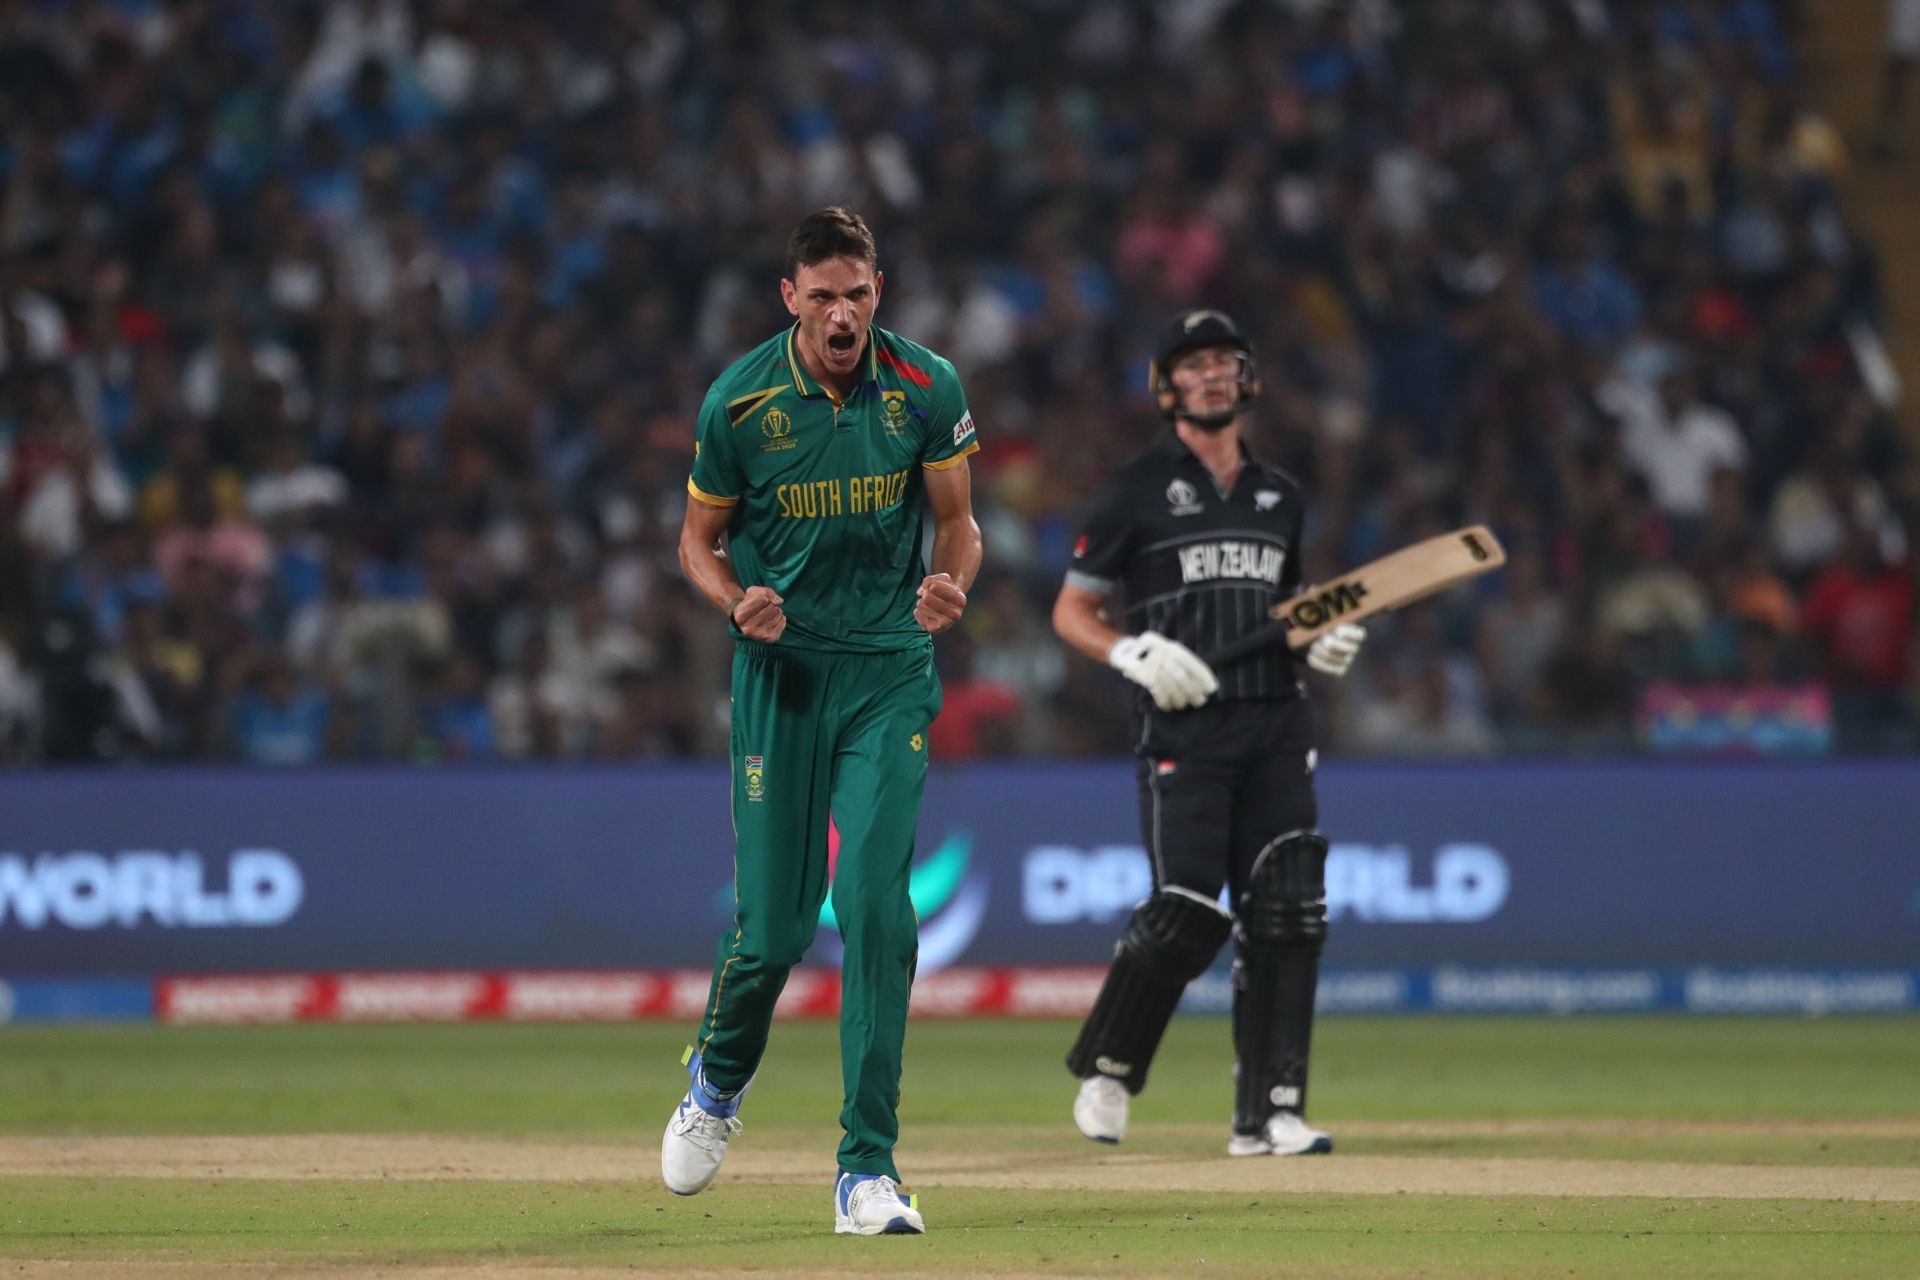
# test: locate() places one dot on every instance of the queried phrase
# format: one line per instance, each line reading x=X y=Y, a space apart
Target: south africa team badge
x=756 y=768
x=893 y=410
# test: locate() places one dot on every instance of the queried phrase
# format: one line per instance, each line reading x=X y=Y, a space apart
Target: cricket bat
x=1409 y=574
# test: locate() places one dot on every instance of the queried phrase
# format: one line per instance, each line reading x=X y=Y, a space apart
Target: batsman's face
x=1207 y=380
x=835 y=301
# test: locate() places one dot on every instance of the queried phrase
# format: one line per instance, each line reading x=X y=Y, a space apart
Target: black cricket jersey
x=1195 y=564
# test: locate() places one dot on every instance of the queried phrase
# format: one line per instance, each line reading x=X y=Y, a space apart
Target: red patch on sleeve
x=918 y=377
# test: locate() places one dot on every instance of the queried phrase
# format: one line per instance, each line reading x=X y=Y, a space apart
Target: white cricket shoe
x=869 y=1204
x=1101 y=1109
x=696 y=1138
x=1285 y=1134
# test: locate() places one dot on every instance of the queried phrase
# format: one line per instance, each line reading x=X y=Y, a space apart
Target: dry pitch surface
x=434 y=1158
x=429 y=1157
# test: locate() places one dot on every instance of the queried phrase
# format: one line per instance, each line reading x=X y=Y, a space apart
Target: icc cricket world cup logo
x=777 y=427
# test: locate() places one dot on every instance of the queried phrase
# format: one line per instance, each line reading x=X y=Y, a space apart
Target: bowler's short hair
x=832 y=232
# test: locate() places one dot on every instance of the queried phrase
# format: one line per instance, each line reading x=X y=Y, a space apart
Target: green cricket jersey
x=827 y=497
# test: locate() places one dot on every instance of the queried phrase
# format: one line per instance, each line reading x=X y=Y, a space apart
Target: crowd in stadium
x=350 y=353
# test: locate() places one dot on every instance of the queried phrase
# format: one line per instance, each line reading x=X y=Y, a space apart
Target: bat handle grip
x=1270 y=636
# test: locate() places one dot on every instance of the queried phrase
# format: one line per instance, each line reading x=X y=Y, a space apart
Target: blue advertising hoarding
x=1439 y=869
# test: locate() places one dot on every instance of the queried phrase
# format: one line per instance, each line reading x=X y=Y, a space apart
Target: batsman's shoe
x=1285 y=1134
x=869 y=1204
x=696 y=1139
x=1101 y=1109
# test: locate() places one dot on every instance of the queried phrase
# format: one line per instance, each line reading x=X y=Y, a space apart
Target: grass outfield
x=1483 y=1147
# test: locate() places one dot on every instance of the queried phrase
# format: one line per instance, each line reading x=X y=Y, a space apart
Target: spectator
x=1518 y=633
x=279 y=721
x=232 y=547
x=1588 y=300
x=59 y=481
x=1585 y=698
x=1814 y=508
x=1415 y=711
x=221 y=372
x=289 y=484
x=1903 y=50
x=420 y=298
x=172 y=677
x=529 y=705
x=977 y=716
x=1860 y=614
x=1012 y=645
x=1677 y=443
x=456 y=722
x=590 y=651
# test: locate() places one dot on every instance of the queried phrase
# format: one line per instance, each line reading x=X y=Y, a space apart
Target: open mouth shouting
x=842 y=348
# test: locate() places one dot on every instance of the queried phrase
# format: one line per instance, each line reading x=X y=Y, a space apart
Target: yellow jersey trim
x=712 y=500
x=973 y=446
x=793 y=364
x=741 y=407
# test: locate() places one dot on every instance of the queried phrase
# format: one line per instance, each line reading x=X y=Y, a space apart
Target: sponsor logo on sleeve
x=963 y=428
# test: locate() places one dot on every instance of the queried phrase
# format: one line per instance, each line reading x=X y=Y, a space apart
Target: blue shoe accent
x=843 y=1188
x=702 y=1093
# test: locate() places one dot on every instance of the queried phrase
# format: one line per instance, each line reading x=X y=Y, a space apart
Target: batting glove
x=1174 y=675
x=1335 y=651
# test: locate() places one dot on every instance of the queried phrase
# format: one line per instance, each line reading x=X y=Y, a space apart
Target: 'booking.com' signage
x=1430 y=866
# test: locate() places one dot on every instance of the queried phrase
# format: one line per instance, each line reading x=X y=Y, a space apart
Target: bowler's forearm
x=710 y=573
x=957 y=550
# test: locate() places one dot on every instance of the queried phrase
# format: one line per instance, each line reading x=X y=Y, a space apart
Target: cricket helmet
x=1190 y=331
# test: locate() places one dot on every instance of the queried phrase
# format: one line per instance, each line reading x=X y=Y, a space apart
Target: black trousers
x=1218 y=784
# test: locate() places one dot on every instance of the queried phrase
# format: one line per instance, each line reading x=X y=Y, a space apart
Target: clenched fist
x=758 y=614
x=940 y=603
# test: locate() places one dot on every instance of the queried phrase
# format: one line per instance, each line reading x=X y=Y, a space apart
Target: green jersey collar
x=805 y=385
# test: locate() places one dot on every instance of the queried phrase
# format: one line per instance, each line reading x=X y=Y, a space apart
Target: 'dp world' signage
x=1530 y=868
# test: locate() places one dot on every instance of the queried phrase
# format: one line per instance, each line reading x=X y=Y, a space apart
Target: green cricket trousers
x=817 y=734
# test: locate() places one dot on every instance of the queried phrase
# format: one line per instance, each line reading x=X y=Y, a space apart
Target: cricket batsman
x=1200 y=538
